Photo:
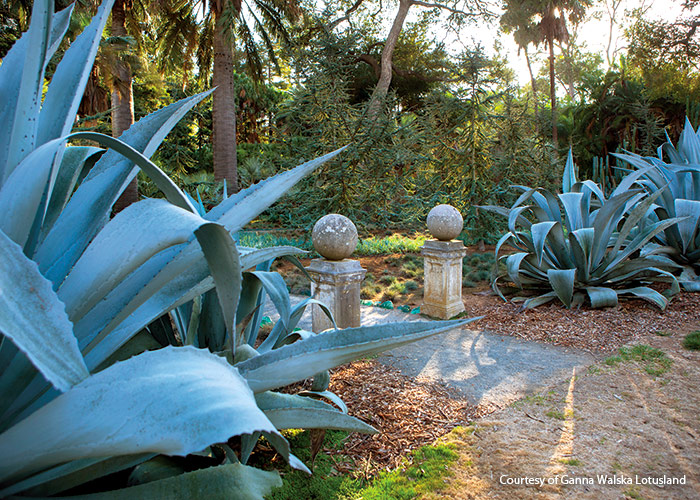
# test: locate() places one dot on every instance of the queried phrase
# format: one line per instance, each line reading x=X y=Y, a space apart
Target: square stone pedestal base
x=442 y=269
x=337 y=284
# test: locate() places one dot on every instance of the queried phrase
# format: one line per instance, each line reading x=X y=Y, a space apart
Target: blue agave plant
x=579 y=244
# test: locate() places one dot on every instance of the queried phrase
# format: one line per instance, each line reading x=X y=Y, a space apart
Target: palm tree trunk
x=122 y=101
x=224 y=109
x=533 y=83
x=553 y=95
x=380 y=91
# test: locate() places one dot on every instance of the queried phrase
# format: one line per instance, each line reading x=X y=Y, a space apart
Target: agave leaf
x=194 y=279
x=330 y=396
x=280 y=330
x=573 y=217
x=36 y=321
x=550 y=204
x=225 y=266
x=89 y=207
x=137 y=233
x=515 y=217
x=593 y=188
x=606 y=222
x=308 y=357
x=689 y=280
x=687 y=227
x=237 y=210
x=505 y=212
x=646 y=293
x=637 y=243
x=632 y=220
x=22 y=128
x=149 y=403
x=25 y=190
x=513 y=266
x=68 y=81
x=287 y=411
x=164 y=183
x=223 y=482
x=527 y=194
x=212 y=326
x=539 y=300
x=581 y=243
x=540 y=231
x=569 y=178
x=689 y=144
x=275 y=286
x=66 y=476
x=562 y=282
x=77 y=160
x=601 y=296
x=11 y=72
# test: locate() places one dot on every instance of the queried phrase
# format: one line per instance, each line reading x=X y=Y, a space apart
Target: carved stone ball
x=445 y=222
x=334 y=236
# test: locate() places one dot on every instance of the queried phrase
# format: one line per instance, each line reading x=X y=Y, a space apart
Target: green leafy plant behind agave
x=677 y=180
x=580 y=244
x=87 y=387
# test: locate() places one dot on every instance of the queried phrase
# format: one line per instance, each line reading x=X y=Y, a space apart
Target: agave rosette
x=678 y=181
x=580 y=244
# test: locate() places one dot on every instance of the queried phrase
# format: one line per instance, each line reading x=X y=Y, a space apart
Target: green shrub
x=410 y=285
x=692 y=341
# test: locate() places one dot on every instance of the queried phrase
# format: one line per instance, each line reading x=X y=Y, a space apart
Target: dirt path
x=613 y=422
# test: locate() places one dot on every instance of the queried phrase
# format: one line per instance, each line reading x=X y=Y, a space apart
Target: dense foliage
x=455 y=127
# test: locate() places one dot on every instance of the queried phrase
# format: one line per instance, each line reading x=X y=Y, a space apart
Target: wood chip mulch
x=408 y=413
x=593 y=330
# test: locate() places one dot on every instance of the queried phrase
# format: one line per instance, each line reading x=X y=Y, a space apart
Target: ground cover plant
x=581 y=244
x=692 y=341
x=88 y=348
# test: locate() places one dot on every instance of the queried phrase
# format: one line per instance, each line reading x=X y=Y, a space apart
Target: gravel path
x=487 y=369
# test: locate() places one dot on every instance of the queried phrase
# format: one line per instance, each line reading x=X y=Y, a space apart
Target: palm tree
x=225 y=23
x=545 y=21
x=516 y=19
x=122 y=95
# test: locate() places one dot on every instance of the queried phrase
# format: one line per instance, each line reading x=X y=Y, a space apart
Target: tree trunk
x=224 y=108
x=380 y=91
x=553 y=95
x=533 y=82
x=122 y=101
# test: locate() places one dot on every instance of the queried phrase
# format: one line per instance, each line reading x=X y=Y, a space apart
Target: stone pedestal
x=336 y=284
x=442 y=291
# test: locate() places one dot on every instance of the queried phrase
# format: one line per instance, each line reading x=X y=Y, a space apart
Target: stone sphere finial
x=445 y=222
x=334 y=236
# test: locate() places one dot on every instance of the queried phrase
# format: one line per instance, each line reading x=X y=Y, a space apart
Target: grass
x=654 y=361
x=692 y=341
x=573 y=462
x=423 y=471
x=556 y=414
x=395 y=243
